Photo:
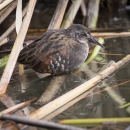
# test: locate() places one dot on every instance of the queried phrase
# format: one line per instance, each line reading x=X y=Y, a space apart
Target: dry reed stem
x=111 y=54
x=56 y=20
x=61 y=109
x=5 y=3
x=66 y=106
x=59 y=102
x=1 y=1
x=4 y=9
x=83 y=8
x=71 y=13
x=58 y=15
x=8 y=102
x=18 y=20
x=51 y=89
x=8 y=11
x=16 y=48
x=18 y=24
x=93 y=8
x=111 y=34
x=12 y=27
x=92 y=122
x=17 y=107
x=4 y=41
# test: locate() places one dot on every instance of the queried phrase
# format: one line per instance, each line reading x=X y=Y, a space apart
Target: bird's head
x=82 y=34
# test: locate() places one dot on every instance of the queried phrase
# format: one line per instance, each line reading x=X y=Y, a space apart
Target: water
x=102 y=105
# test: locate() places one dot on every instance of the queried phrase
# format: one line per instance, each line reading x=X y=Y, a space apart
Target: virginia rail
x=58 y=51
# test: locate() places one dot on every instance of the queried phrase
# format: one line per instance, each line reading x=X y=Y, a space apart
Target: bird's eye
x=83 y=34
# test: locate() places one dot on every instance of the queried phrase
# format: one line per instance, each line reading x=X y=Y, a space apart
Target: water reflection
x=95 y=105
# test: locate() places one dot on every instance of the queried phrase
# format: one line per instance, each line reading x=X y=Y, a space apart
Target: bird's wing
x=40 y=54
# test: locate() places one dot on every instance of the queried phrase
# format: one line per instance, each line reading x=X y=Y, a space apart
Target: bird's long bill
x=93 y=40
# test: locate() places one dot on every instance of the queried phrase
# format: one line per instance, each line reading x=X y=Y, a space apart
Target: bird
x=58 y=51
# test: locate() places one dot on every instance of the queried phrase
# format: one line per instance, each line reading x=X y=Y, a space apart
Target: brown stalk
x=16 y=48
x=8 y=11
x=111 y=34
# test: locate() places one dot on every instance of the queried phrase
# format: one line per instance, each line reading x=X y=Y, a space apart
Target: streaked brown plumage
x=58 y=51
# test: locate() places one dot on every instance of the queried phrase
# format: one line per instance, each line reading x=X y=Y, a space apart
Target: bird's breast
x=78 y=55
